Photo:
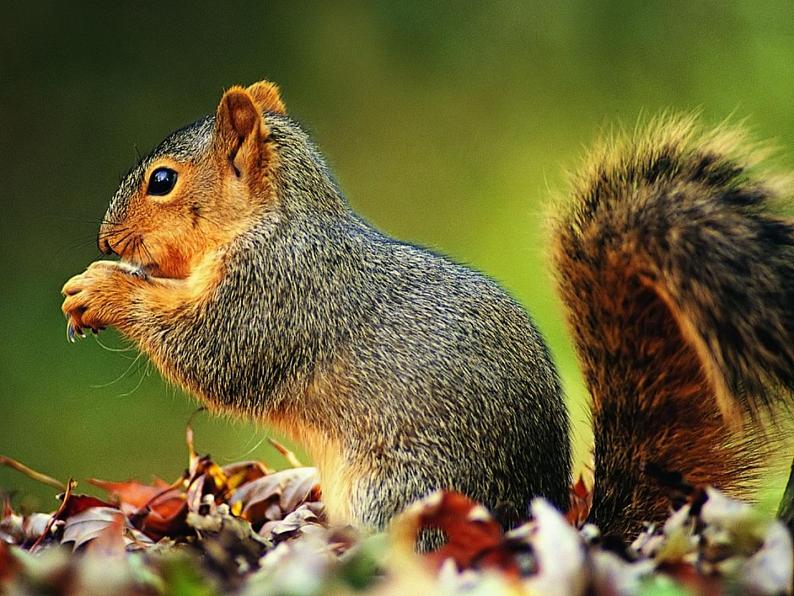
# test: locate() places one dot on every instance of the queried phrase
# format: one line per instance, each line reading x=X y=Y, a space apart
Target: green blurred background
x=448 y=125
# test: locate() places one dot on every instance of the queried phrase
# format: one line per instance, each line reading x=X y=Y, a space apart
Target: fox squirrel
x=248 y=280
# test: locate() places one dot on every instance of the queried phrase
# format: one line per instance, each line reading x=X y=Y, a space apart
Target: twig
x=55 y=516
x=290 y=457
x=30 y=473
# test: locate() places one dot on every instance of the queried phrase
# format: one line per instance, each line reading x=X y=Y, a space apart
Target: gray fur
x=448 y=382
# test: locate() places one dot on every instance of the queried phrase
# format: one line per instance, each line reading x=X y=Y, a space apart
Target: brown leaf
x=110 y=542
x=91 y=523
x=207 y=478
x=221 y=482
x=274 y=496
x=9 y=566
x=241 y=473
x=157 y=510
x=7 y=509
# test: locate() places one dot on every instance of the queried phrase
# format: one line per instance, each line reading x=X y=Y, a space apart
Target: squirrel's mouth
x=134 y=254
x=154 y=269
x=145 y=269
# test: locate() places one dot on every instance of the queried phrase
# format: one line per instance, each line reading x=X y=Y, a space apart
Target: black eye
x=161 y=182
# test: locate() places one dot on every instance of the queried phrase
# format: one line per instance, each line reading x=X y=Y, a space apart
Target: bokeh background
x=446 y=124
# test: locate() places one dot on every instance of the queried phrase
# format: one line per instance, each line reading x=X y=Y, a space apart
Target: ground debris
x=247 y=529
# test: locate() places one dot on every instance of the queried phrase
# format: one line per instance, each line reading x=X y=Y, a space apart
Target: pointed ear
x=239 y=131
x=267 y=97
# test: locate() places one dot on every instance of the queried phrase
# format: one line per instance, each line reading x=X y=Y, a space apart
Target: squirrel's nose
x=104 y=245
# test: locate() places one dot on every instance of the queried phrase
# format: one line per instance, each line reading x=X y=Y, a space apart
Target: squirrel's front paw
x=93 y=298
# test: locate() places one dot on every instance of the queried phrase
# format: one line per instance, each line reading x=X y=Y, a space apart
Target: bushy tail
x=679 y=286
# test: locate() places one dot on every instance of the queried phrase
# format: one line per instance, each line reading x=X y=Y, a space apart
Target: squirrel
x=249 y=281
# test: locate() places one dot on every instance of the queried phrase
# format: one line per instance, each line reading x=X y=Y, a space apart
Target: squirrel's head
x=200 y=187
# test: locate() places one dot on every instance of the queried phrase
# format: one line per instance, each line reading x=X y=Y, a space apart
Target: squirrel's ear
x=240 y=131
x=267 y=97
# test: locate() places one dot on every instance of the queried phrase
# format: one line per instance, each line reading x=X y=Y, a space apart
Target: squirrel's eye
x=161 y=182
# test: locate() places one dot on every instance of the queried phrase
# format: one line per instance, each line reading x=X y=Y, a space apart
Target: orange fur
x=214 y=199
x=327 y=455
x=267 y=97
x=178 y=238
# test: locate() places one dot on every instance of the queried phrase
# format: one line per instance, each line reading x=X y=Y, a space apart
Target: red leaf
x=471 y=531
x=78 y=503
x=581 y=500
x=8 y=511
x=130 y=492
x=156 y=525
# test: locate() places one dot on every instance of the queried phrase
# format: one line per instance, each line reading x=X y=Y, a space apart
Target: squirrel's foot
x=95 y=297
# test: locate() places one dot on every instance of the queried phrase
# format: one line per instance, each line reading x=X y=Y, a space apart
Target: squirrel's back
x=489 y=390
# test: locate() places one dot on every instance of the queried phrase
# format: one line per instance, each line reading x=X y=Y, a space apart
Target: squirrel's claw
x=73 y=330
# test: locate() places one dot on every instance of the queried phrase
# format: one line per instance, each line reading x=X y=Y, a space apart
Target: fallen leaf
x=130 y=494
x=110 y=541
x=91 y=523
x=581 y=501
x=274 y=496
x=474 y=537
x=559 y=551
x=307 y=514
x=75 y=504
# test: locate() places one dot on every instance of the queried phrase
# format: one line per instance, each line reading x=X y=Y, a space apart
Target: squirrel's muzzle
x=104 y=244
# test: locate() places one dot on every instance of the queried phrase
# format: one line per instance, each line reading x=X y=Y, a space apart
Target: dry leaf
x=91 y=523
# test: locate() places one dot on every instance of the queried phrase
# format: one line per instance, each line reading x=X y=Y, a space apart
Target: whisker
x=116 y=350
x=77 y=244
x=140 y=381
x=121 y=245
x=121 y=376
x=112 y=233
x=138 y=386
x=249 y=451
x=111 y=222
x=149 y=255
x=137 y=254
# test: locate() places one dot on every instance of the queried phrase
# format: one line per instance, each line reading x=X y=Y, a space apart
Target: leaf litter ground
x=247 y=529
